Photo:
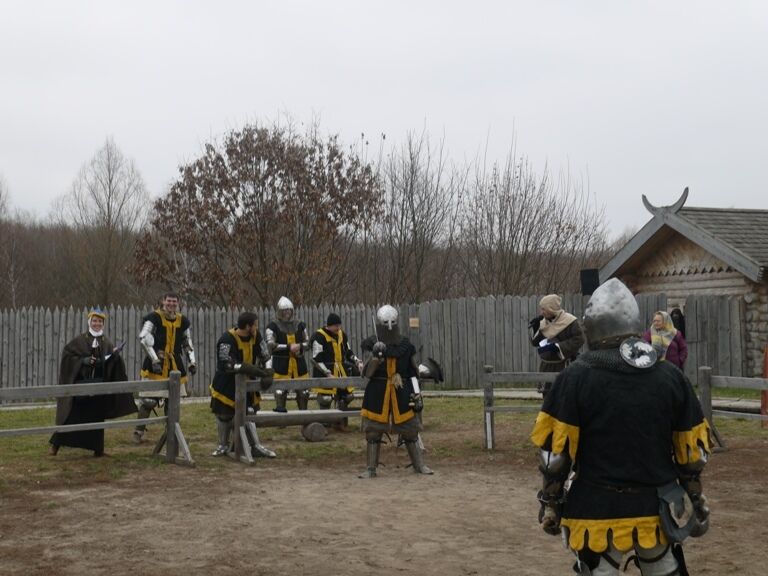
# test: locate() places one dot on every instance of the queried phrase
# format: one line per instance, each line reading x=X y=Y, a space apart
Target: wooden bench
x=490 y=378
x=173 y=437
x=246 y=424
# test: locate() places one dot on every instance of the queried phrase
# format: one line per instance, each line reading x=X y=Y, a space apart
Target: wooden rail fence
x=173 y=437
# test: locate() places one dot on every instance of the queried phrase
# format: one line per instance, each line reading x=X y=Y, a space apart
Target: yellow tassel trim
x=649 y=532
x=686 y=443
x=547 y=425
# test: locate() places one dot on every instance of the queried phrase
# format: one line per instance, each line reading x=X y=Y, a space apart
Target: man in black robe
x=90 y=357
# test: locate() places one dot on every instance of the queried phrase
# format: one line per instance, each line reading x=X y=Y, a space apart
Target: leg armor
x=417 y=457
x=344 y=399
x=324 y=401
x=302 y=399
x=224 y=428
x=589 y=563
x=661 y=560
x=146 y=405
x=373 y=447
x=280 y=400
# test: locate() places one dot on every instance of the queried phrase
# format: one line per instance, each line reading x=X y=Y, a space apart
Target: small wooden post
x=705 y=386
x=488 y=422
x=764 y=393
x=174 y=415
x=240 y=396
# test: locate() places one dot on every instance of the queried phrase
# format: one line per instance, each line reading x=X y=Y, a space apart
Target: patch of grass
x=453 y=434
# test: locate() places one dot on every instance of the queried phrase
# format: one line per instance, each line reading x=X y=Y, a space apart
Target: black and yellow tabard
x=285 y=365
x=388 y=393
x=335 y=351
x=169 y=343
x=232 y=349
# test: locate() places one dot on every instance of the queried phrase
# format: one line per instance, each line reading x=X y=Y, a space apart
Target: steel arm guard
x=272 y=344
x=147 y=340
x=188 y=346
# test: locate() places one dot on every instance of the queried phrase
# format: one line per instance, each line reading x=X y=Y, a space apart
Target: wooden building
x=686 y=252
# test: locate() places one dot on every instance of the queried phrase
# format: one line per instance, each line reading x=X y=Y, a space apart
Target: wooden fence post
x=488 y=409
x=240 y=395
x=174 y=415
x=705 y=388
x=764 y=393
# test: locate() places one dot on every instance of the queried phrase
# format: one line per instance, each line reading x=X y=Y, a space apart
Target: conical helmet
x=611 y=316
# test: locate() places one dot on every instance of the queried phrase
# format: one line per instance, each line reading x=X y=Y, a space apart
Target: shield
x=638 y=353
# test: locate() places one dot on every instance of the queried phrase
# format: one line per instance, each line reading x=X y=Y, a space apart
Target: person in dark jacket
x=667 y=340
x=90 y=358
x=557 y=336
x=622 y=445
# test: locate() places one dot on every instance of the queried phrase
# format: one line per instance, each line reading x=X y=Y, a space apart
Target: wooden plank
x=455 y=349
x=47 y=367
x=447 y=334
x=4 y=349
x=504 y=332
x=736 y=336
x=473 y=368
x=78 y=427
x=489 y=358
x=300 y=417
x=533 y=311
x=739 y=382
x=712 y=332
x=520 y=377
x=723 y=343
x=499 y=353
x=23 y=353
x=515 y=408
x=740 y=415
x=91 y=389
x=512 y=322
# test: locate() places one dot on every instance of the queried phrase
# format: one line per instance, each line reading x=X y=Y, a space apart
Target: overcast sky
x=632 y=97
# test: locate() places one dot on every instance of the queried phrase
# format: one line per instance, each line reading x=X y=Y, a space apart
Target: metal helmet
x=387 y=316
x=284 y=309
x=387 y=329
x=611 y=316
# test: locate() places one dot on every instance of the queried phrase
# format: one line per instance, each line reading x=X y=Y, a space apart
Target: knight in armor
x=333 y=358
x=287 y=341
x=240 y=350
x=89 y=358
x=557 y=336
x=622 y=443
x=166 y=339
x=392 y=398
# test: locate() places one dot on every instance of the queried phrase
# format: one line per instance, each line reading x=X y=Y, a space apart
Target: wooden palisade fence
x=463 y=335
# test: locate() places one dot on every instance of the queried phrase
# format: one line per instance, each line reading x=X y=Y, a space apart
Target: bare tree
x=107 y=205
x=408 y=257
x=522 y=234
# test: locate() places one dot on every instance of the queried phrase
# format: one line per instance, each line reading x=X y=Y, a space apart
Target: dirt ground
x=286 y=516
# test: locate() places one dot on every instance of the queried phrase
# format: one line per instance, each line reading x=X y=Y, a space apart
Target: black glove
x=192 y=369
x=549 y=515
x=416 y=403
x=157 y=367
x=535 y=323
x=88 y=360
x=266 y=381
x=378 y=349
x=701 y=510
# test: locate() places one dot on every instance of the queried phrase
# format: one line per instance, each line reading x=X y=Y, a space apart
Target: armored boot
x=302 y=399
x=372 y=459
x=223 y=427
x=280 y=400
x=417 y=457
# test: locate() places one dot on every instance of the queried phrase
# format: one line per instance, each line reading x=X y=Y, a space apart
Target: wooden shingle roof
x=737 y=237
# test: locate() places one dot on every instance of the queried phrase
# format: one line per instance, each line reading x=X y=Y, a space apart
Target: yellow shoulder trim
x=648 y=529
x=686 y=443
x=547 y=425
